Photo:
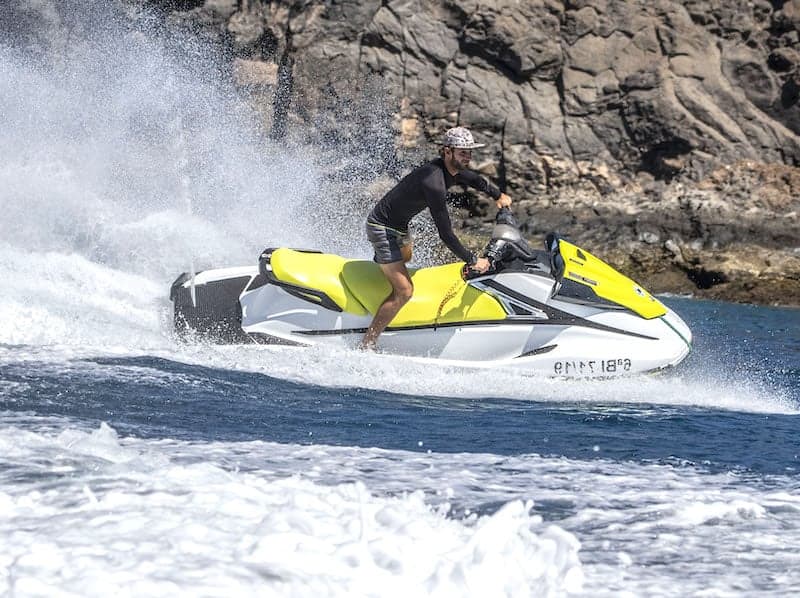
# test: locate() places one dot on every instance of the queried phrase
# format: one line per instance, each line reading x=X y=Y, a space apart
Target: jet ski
x=556 y=311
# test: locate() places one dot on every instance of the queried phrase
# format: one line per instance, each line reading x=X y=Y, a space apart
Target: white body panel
x=585 y=340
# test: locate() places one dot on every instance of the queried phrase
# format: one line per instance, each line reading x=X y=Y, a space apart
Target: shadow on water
x=157 y=398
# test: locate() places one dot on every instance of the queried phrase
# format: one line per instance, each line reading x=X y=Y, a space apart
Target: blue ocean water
x=755 y=347
x=647 y=475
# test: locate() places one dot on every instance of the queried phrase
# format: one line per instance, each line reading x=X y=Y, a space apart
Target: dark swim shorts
x=387 y=242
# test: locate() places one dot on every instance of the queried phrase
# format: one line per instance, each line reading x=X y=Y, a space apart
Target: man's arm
x=435 y=194
x=442 y=220
x=476 y=181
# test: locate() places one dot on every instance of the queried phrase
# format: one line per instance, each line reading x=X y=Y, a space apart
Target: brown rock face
x=663 y=135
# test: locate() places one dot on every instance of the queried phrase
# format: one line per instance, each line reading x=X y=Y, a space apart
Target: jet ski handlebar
x=507 y=241
x=507 y=245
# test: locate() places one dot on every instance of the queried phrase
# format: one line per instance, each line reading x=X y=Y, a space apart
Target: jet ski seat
x=359 y=287
x=320 y=272
x=440 y=295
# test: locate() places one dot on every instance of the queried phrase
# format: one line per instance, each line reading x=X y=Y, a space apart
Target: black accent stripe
x=420 y=327
x=509 y=322
x=557 y=316
x=310 y=295
x=537 y=351
x=261 y=338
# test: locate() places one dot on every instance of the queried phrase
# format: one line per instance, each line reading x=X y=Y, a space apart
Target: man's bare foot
x=371 y=347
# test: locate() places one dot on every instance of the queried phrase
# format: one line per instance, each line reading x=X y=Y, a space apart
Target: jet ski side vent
x=520 y=311
x=580 y=293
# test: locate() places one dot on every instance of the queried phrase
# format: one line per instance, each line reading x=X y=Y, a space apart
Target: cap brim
x=473 y=146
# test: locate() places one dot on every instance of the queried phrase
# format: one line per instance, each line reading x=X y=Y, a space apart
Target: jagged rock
x=518 y=37
x=664 y=134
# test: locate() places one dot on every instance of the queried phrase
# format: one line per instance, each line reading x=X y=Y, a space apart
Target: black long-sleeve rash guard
x=426 y=187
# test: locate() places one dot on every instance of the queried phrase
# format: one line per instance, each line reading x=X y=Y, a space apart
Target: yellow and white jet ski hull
x=586 y=321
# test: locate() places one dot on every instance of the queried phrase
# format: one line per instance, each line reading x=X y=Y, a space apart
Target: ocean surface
x=204 y=470
x=132 y=464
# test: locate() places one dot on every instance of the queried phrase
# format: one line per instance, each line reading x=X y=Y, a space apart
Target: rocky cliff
x=664 y=135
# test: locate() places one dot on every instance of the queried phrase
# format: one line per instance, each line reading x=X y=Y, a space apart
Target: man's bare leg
x=402 y=289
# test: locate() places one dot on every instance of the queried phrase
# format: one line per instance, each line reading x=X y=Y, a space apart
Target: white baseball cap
x=460 y=138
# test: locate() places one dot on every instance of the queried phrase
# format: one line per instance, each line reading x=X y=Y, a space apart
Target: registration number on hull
x=593 y=366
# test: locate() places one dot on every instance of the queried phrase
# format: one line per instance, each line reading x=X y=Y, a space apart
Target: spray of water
x=117 y=149
x=127 y=157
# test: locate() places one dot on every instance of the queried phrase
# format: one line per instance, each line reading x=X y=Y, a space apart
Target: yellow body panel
x=359 y=287
x=438 y=291
x=584 y=268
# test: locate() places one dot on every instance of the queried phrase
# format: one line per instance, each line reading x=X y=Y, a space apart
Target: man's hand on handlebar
x=504 y=201
x=480 y=266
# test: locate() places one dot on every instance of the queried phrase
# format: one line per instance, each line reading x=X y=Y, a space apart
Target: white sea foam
x=64 y=298
x=90 y=513
x=114 y=517
x=645 y=529
x=340 y=368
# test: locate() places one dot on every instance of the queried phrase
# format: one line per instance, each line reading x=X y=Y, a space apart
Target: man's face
x=459 y=158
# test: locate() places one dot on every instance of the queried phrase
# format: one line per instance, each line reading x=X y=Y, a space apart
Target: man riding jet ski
x=559 y=311
x=425 y=187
